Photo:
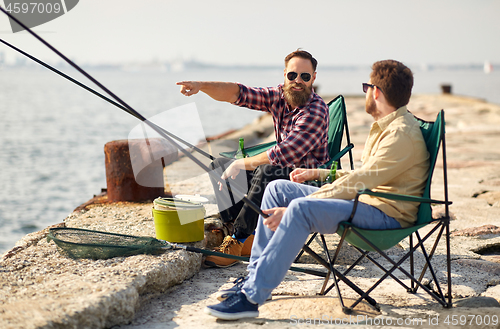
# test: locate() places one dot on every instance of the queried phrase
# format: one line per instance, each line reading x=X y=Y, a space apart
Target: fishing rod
x=53 y=69
x=136 y=114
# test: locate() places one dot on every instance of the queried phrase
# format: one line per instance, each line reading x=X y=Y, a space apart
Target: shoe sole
x=231 y=316
x=212 y=264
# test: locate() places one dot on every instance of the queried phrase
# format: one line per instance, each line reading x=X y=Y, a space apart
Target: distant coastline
x=190 y=65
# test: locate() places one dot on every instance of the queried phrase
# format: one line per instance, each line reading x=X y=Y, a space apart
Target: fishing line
x=130 y=110
x=208 y=155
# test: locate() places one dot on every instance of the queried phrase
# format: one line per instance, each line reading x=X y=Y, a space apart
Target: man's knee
x=277 y=190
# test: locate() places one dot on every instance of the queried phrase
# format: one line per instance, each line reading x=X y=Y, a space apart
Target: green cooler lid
x=176 y=203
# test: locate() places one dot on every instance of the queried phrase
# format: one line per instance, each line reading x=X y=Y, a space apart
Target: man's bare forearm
x=255 y=161
x=220 y=91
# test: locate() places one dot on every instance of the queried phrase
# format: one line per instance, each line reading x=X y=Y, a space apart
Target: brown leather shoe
x=247 y=246
x=229 y=246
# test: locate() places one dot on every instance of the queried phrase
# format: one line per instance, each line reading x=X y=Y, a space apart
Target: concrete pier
x=40 y=288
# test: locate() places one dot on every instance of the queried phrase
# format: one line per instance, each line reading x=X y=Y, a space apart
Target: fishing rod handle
x=254 y=206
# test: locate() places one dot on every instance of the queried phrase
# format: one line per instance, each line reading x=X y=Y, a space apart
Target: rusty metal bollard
x=120 y=180
x=446 y=89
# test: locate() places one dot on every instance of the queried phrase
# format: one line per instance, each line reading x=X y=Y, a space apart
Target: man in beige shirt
x=395 y=159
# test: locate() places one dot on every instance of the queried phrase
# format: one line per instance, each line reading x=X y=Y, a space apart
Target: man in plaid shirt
x=301 y=129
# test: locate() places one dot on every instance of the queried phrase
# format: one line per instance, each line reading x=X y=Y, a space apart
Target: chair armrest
x=342 y=153
x=251 y=151
x=402 y=197
x=337 y=156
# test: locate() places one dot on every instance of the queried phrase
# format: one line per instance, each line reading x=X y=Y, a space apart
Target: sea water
x=52 y=132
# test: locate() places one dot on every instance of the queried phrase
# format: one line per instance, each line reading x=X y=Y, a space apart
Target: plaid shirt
x=301 y=133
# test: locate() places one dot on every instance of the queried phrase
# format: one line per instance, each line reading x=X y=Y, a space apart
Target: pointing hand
x=189 y=88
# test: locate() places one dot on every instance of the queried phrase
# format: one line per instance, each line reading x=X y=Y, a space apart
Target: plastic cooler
x=178 y=220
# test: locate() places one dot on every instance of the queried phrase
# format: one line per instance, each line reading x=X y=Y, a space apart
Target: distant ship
x=488 y=68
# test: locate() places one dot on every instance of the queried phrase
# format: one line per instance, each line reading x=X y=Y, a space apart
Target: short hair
x=302 y=54
x=395 y=79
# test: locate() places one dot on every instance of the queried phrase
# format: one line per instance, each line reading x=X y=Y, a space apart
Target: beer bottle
x=333 y=171
x=240 y=154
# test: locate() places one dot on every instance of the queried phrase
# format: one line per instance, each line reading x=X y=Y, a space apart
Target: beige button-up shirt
x=395 y=160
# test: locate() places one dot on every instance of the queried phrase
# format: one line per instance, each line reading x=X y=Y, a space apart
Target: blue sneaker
x=238 y=284
x=234 y=307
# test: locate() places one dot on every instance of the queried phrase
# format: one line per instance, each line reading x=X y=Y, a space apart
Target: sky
x=262 y=32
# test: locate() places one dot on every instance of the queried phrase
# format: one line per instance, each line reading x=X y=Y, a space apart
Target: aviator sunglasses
x=293 y=75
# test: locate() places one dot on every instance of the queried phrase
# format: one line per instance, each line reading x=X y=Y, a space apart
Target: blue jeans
x=274 y=252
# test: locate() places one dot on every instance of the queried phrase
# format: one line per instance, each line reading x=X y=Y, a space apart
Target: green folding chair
x=368 y=242
x=338 y=124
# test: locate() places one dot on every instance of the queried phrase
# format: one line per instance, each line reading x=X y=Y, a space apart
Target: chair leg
x=398 y=266
x=365 y=254
x=431 y=253
x=340 y=276
x=447 y=211
x=353 y=265
x=325 y=282
x=345 y=309
x=428 y=262
x=412 y=263
x=448 y=260
x=307 y=244
x=334 y=259
x=337 y=250
x=390 y=274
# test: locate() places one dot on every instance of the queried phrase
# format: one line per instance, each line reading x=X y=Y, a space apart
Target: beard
x=370 y=106
x=294 y=97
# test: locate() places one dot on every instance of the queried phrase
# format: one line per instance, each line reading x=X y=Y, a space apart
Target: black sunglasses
x=367 y=85
x=293 y=75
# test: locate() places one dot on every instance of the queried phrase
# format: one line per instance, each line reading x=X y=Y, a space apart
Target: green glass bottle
x=333 y=171
x=240 y=154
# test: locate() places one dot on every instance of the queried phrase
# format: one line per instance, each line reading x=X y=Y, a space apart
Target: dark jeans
x=244 y=218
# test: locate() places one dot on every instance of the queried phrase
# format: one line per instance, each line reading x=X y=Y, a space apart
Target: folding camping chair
x=366 y=241
x=338 y=119
x=338 y=124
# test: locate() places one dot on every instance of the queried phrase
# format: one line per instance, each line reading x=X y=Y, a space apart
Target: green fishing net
x=81 y=243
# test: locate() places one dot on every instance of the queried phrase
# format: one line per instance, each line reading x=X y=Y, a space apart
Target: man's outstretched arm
x=220 y=91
